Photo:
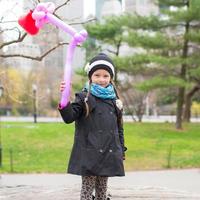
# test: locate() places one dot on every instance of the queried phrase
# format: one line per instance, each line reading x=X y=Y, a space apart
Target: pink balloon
x=43 y=14
x=40 y=12
x=80 y=37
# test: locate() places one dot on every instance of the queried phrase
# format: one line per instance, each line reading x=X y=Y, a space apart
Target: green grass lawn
x=45 y=147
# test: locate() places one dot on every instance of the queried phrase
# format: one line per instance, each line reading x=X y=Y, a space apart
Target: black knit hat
x=101 y=61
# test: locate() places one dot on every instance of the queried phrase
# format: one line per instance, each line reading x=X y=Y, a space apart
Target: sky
x=11 y=10
x=89 y=8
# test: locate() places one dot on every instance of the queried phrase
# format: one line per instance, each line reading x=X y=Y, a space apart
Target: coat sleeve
x=74 y=110
x=121 y=137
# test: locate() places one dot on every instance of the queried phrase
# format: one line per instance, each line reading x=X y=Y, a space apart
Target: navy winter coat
x=98 y=141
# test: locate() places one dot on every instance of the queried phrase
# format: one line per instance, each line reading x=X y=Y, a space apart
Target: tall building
x=108 y=7
x=116 y=7
x=73 y=15
x=142 y=7
x=24 y=49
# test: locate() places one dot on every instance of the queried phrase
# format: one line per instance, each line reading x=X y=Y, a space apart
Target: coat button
x=100 y=131
x=100 y=150
x=110 y=150
x=111 y=112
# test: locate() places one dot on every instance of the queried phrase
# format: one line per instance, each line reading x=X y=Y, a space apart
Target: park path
x=139 y=185
x=127 y=118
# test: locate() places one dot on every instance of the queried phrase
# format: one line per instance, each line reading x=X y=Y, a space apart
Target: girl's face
x=101 y=77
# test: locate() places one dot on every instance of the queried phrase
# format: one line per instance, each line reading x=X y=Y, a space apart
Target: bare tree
x=17 y=47
x=20 y=35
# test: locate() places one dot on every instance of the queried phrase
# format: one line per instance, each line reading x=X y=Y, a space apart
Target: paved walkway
x=141 y=185
x=126 y=118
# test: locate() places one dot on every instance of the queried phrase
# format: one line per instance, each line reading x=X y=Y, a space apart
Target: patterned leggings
x=89 y=183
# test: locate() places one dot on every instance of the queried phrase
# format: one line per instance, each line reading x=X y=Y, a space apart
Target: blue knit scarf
x=102 y=92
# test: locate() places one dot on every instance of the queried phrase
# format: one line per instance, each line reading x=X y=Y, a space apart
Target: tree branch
x=20 y=39
x=85 y=22
x=60 y=6
x=111 y=51
x=37 y=58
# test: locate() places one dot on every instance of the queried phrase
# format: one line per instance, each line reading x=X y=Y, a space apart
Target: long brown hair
x=116 y=90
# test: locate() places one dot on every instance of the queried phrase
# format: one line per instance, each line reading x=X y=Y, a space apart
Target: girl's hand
x=62 y=86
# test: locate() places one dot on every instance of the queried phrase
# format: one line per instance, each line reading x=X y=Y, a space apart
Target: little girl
x=98 y=149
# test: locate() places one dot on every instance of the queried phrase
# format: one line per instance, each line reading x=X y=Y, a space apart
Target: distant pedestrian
x=98 y=150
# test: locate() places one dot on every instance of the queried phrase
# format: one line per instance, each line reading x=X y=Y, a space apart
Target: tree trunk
x=187 y=110
x=130 y=99
x=181 y=90
x=179 y=110
x=126 y=99
x=140 y=112
x=188 y=103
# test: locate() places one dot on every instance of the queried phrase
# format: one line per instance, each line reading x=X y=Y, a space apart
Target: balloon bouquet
x=42 y=14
